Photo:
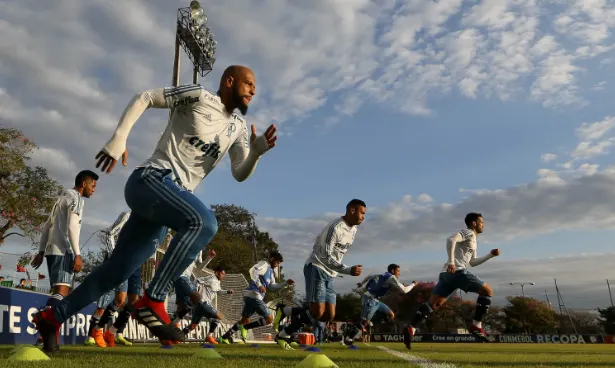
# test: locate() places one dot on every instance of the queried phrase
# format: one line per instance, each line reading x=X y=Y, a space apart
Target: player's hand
x=229 y=292
x=211 y=253
x=356 y=270
x=359 y=284
x=262 y=289
x=451 y=268
x=267 y=142
x=108 y=162
x=415 y=283
x=38 y=260
x=78 y=264
x=290 y=282
x=495 y=252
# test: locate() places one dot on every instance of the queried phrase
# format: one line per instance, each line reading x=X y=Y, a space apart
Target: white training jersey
x=209 y=287
x=57 y=241
x=112 y=233
x=199 y=258
x=199 y=134
x=331 y=245
x=465 y=250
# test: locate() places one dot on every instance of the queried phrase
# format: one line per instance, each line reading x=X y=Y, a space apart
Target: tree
x=607 y=319
x=91 y=260
x=348 y=307
x=529 y=315
x=27 y=194
x=581 y=322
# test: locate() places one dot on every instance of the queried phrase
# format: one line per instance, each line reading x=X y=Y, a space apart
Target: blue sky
x=426 y=110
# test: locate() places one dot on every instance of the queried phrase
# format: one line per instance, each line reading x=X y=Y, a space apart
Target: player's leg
x=213 y=326
x=61 y=273
x=133 y=289
x=118 y=302
x=137 y=241
x=264 y=318
x=369 y=307
x=95 y=334
x=195 y=226
x=447 y=284
x=249 y=308
x=315 y=290
x=201 y=310
x=100 y=309
x=475 y=285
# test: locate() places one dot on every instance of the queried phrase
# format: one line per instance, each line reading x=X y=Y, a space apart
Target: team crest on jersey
x=186 y=101
x=211 y=149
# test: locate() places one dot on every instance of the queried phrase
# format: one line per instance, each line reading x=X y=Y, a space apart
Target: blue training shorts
x=371 y=306
x=253 y=305
x=318 y=285
x=60 y=269
x=461 y=279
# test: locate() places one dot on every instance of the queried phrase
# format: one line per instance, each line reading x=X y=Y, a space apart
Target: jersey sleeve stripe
x=172 y=91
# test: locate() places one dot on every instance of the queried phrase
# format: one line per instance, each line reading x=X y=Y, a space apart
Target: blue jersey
x=380 y=286
x=262 y=275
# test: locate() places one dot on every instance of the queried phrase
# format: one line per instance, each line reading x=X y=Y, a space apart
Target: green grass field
x=440 y=355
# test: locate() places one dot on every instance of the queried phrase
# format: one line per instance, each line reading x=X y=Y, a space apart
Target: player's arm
x=475 y=261
x=247 y=150
x=211 y=254
x=326 y=252
x=74 y=225
x=450 y=247
x=44 y=236
x=394 y=281
x=154 y=98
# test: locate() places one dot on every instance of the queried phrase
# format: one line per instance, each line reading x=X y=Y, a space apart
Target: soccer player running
x=374 y=287
x=321 y=268
x=59 y=242
x=209 y=287
x=263 y=279
x=202 y=128
x=461 y=249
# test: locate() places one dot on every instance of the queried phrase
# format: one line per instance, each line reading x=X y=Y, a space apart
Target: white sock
x=288 y=310
x=413 y=330
x=113 y=330
x=98 y=328
x=478 y=324
x=283 y=334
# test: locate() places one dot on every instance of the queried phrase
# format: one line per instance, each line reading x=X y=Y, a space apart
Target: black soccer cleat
x=163 y=331
x=408 y=335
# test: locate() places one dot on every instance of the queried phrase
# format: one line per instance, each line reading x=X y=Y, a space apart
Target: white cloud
x=548 y=157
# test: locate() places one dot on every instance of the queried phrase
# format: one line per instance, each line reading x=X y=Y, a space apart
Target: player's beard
x=243 y=108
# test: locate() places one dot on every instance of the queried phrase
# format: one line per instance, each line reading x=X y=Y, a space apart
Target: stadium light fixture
x=196 y=39
x=522 y=284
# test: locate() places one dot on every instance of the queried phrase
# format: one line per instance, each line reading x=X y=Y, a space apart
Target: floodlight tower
x=194 y=36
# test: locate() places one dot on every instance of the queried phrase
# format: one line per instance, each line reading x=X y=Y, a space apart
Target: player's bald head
x=235 y=72
x=237 y=86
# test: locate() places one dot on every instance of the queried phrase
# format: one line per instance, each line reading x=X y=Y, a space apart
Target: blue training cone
x=208 y=346
x=313 y=349
x=353 y=347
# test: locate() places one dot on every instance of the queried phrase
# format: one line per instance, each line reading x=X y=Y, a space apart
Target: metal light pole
x=195 y=38
x=522 y=285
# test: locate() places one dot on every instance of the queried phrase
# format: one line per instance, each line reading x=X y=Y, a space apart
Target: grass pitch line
x=424 y=363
